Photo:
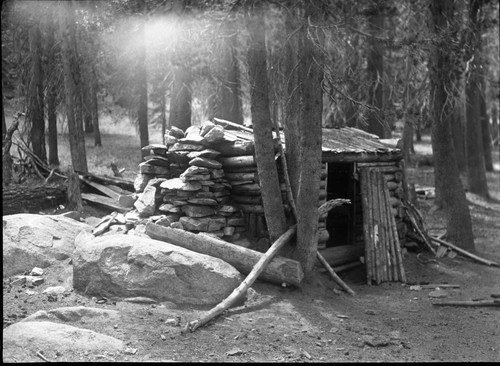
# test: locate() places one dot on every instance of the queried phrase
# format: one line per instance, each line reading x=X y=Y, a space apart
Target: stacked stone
x=196 y=195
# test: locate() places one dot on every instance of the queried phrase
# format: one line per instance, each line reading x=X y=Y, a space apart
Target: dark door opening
x=341 y=221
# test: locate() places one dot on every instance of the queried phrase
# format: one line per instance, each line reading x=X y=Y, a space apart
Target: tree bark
x=262 y=125
x=444 y=77
x=474 y=139
x=76 y=135
x=180 y=99
x=280 y=270
x=52 y=101
x=35 y=114
x=375 y=70
x=142 y=91
x=485 y=127
x=310 y=132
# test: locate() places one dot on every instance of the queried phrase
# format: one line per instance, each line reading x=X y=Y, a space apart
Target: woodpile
x=182 y=184
x=383 y=257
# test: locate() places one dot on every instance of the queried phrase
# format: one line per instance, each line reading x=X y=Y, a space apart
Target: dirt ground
x=316 y=323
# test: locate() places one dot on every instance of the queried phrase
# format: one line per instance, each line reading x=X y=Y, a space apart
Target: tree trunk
x=375 y=69
x=485 y=127
x=227 y=103
x=495 y=126
x=262 y=125
x=52 y=100
x=291 y=103
x=95 y=107
x=4 y=125
x=458 y=129
x=444 y=78
x=142 y=91
x=474 y=139
x=35 y=103
x=180 y=99
x=76 y=135
x=310 y=132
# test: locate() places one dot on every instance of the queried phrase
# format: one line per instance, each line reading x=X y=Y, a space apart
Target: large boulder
x=31 y=240
x=22 y=341
x=127 y=265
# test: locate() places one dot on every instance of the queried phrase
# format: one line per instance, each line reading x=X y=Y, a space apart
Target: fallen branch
x=335 y=277
x=236 y=126
x=413 y=214
x=480 y=303
x=39 y=354
x=104 y=224
x=247 y=282
x=465 y=253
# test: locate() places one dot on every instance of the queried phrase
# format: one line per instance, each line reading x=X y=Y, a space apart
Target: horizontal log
x=253 y=200
x=377 y=164
x=336 y=256
x=236 y=148
x=122 y=183
x=242 y=176
x=26 y=198
x=238 y=161
x=101 y=188
x=104 y=201
x=349 y=157
x=393 y=185
x=256 y=209
x=280 y=270
x=385 y=169
x=243 y=188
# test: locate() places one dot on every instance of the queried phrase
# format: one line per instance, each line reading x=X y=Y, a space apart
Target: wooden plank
x=280 y=270
x=365 y=203
x=351 y=157
x=104 y=201
x=101 y=188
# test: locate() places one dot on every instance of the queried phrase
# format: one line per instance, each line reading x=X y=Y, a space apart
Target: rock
x=147 y=168
x=180 y=146
x=196 y=177
x=127 y=200
x=215 y=134
x=36 y=271
x=22 y=341
x=438 y=294
x=193 y=138
x=127 y=266
x=169 y=207
x=145 y=203
x=205 y=153
x=177 y=225
x=234 y=352
x=75 y=215
x=54 y=290
x=168 y=220
x=141 y=180
x=176 y=132
x=170 y=140
x=140 y=300
x=195 y=170
x=217 y=173
x=179 y=184
x=227 y=210
x=197 y=211
x=205 y=162
x=205 y=127
x=376 y=341
x=31 y=240
x=72 y=314
x=203 y=201
x=158 y=160
x=192 y=224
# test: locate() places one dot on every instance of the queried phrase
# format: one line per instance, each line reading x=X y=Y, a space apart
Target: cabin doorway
x=341 y=221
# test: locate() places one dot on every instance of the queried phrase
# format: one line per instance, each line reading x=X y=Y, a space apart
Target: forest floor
x=316 y=323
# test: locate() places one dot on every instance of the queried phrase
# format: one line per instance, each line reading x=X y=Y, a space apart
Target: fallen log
x=25 y=198
x=243 y=287
x=481 y=303
x=465 y=253
x=280 y=270
x=101 y=188
x=335 y=277
x=238 y=161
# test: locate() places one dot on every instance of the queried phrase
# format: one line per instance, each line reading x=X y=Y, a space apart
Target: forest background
x=106 y=69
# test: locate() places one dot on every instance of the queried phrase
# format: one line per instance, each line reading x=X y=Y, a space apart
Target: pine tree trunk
x=474 y=139
x=52 y=101
x=310 y=132
x=485 y=127
x=180 y=99
x=95 y=108
x=444 y=78
x=458 y=129
x=76 y=135
x=142 y=85
x=262 y=125
x=375 y=69
x=36 y=102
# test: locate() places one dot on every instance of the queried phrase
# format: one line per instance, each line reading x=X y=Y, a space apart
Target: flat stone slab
x=205 y=162
x=197 y=210
x=179 y=184
x=22 y=341
x=206 y=153
x=72 y=314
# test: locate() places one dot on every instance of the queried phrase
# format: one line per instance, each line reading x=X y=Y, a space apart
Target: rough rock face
x=128 y=265
x=31 y=240
x=22 y=340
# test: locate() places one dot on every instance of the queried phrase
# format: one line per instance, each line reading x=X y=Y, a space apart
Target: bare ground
x=388 y=323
